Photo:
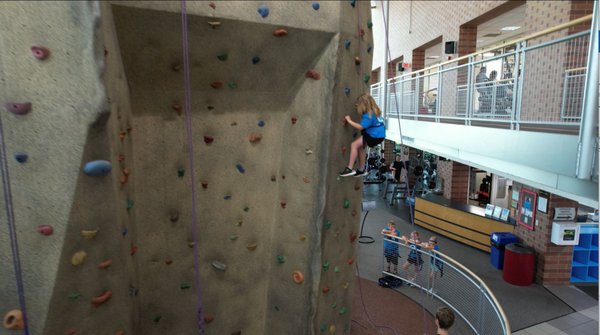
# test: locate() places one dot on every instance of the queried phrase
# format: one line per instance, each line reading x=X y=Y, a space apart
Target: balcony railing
x=538 y=84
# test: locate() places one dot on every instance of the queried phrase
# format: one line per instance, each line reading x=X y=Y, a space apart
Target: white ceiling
x=515 y=17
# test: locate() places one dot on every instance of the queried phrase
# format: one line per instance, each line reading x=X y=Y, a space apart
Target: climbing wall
x=108 y=166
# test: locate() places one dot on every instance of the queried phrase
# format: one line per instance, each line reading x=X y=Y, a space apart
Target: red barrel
x=519 y=264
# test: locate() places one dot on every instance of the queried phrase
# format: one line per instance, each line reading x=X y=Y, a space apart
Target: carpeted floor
x=391 y=310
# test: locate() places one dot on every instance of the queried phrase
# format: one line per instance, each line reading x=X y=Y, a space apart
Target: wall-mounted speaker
x=451 y=47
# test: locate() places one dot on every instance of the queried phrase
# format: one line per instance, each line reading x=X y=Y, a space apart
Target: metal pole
x=383 y=89
x=589 y=113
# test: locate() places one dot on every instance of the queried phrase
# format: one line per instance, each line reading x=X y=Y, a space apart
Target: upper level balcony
x=526 y=120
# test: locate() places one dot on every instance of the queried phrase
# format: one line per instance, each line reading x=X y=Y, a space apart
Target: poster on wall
x=526 y=210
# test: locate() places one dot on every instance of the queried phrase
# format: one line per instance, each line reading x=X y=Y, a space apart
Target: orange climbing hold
x=177 y=108
x=254 y=137
x=13 y=320
x=122 y=134
x=105 y=264
x=306 y=180
x=251 y=247
x=298 y=277
x=209 y=318
x=313 y=74
x=280 y=32
x=99 y=300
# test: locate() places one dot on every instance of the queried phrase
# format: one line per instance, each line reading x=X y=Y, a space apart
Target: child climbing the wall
x=390 y=249
x=414 y=256
x=372 y=129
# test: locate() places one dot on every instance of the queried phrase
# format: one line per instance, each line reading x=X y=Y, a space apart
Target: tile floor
x=584 y=322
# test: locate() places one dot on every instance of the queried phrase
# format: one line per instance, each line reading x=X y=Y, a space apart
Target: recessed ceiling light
x=510 y=28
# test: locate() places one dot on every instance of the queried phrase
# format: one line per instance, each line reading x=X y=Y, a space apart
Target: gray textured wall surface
x=288 y=202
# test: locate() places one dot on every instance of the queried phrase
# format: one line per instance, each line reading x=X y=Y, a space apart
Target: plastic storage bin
x=499 y=241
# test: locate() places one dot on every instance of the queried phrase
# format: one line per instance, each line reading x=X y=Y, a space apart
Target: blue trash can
x=499 y=241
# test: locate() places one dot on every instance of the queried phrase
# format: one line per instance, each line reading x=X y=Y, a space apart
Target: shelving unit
x=584 y=267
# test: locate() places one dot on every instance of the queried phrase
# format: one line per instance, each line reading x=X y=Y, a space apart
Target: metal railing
x=539 y=80
x=445 y=279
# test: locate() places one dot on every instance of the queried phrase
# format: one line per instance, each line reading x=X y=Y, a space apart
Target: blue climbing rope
x=10 y=216
x=188 y=123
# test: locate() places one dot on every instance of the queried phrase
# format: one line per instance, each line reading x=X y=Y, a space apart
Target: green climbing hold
x=325 y=265
x=185 y=286
x=233 y=237
x=346 y=203
x=74 y=296
x=370 y=24
x=323 y=327
x=343 y=310
x=246 y=209
x=366 y=78
x=180 y=172
x=327 y=225
x=277 y=308
x=223 y=57
x=232 y=85
x=336 y=269
x=334 y=305
x=280 y=259
x=130 y=204
x=157 y=318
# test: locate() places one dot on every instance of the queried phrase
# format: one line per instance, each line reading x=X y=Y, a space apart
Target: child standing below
x=437 y=266
x=373 y=132
x=390 y=249
x=414 y=256
x=444 y=319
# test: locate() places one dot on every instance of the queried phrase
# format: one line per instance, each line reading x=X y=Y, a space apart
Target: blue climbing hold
x=261 y=123
x=227 y=197
x=263 y=11
x=347 y=44
x=347 y=90
x=255 y=60
x=240 y=168
x=353 y=3
x=97 y=168
x=369 y=49
x=21 y=157
x=316 y=5
x=124 y=231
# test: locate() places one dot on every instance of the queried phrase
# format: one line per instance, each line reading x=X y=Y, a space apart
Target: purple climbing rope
x=188 y=123
x=10 y=216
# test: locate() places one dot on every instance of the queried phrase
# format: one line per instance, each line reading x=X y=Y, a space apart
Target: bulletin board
x=526 y=209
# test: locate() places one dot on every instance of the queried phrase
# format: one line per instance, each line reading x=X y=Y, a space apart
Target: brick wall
x=553 y=262
x=444 y=170
x=460 y=183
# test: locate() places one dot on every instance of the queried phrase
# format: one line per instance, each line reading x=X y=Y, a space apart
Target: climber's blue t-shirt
x=373 y=125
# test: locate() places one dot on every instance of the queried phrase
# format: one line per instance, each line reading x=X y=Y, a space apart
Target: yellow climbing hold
x=302 y=237
x=89 y=234
x=251 y=247
x=78 y=258
x=332 y=329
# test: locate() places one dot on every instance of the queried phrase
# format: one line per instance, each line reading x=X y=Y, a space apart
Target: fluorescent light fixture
x=510 y=28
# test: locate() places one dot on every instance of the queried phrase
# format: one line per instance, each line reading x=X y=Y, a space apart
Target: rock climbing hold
x=233 y=85
x=209 y=318
x=123 y=179
x=204 y=184
x=209 y=107
x=19 y=108
x=325 y=265
x=345 y=286
x=99 y=300
x=124 y=232
x=362 y=32
x=71 y=331
x=308 y=152
x=325 y=290
x=214 y=24
x=332 y=329
x=21 y=157
x=280 y=32
x=255 y=60
x=191 y=244
x=346 y=203
x=280 y=259
x=366 y=78
x=120 y=332
x=130 y=204
x=302 y=237
x=121 y=157
x=223 y=57
x=174 y=217
x=254 y=137
x=45 y=229
x=177 y=108
x=89 y=234
x=347 y=90
x=353 y=237
x=251 y=247
x=261 y=123
x=334 y=305
x=212 y=5
x=263 y=11
x=336 y=269
x=78 y=258
x=240 y=168
x=74 y=296
x=347 y=44
x=344 y=150
x=97 y=168
x=105 y=264
x=283 y=204
x=122 y=135
x=273 y=178
x=13 y=320
x=313 y=74
x=323 y=327
x=157 y=318
x=276 y=308
x=184 y=286
x=352 y=3
x=239 y=223
x=353 y=213
x=315 y=5
x=356 y=187
x=40 y=52
x=343 y=310
x=327 y=225
x=227 y=197
x=208 y=139
x=133 y=250
x=350 y=261
x=306 y=180
x=369 y=24
x=168 y=261
x=282 y=176
x=180 y=172
x=176 y=67
x=298 y=277
x=216 y=85
x=369 y=49
x=233 y=237
x=219 y=266
x=356 y=60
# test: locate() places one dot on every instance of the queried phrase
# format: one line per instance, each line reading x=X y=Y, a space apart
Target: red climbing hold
x=122 y=135
x=105 y=264
x=325 y=290
x=350 y=261
x=208 y=139
x=354 y=213
x=71 y=331
x=99 y=300
x=134 y=249
x=353 y=237
x=216 y=84
x=176 y=107
x=362 y=32
x=255 y=138
x=294 y=120
x=283 y=204
x=121 y=157
x=344 y=150
x=120 y=332
x=168 y=261
x=204 y=184
x=280 y=32
x=212 y=5
x=19 y=108
x=209 y=318
x=313 y=74
x=40 y=52
x=45 y=230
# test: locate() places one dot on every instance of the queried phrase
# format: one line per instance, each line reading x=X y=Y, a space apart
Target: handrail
x=520 y=39
x=576 y=69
